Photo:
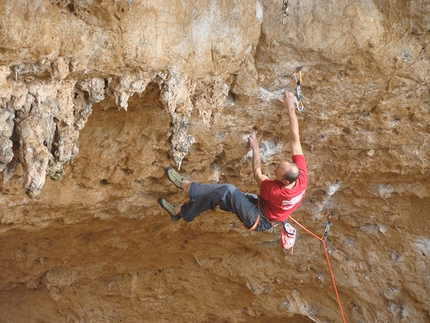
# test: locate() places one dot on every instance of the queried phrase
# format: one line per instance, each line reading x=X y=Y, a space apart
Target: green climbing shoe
x=174 y=177
x=169 y=208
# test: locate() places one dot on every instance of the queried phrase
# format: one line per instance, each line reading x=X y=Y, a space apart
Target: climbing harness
x=284 y=14
x=328 y=262
x=298 y=99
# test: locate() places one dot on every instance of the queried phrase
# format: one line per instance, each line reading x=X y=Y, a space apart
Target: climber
x=278 y=197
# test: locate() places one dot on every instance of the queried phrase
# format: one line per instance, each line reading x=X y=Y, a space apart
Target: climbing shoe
x=169 y=208
x=174 y=177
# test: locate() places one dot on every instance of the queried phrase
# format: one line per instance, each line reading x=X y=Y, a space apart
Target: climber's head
x=287 y=173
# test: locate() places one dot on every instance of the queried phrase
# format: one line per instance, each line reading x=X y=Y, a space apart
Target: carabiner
x=299 y=105
x=284 y=14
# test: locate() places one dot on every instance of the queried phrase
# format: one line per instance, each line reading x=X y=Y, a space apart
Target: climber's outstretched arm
x=288 y=102
x=256 y=162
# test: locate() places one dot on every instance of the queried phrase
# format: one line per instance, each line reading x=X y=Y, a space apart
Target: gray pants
x=205 y=197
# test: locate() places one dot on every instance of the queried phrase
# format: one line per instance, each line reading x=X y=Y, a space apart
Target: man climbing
x=278 y=197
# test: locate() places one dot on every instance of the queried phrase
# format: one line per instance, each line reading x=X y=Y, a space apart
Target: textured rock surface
x=97 y=97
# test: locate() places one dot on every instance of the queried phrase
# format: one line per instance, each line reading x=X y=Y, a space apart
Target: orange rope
x=329 y=265
x=308 y=231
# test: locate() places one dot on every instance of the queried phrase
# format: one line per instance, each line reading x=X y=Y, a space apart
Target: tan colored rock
x=101 y=95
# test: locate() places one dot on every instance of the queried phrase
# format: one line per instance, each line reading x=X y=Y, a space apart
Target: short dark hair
x=292 y=174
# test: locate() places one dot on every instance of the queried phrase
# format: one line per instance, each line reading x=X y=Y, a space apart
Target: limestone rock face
x=98 y=96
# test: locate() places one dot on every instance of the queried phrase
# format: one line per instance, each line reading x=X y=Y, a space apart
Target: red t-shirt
x=278 y=201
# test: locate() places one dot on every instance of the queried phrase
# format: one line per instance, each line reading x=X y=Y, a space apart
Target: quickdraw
x=298 y=100
x=17 y=69
x=327 y=224
x=284 y=14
